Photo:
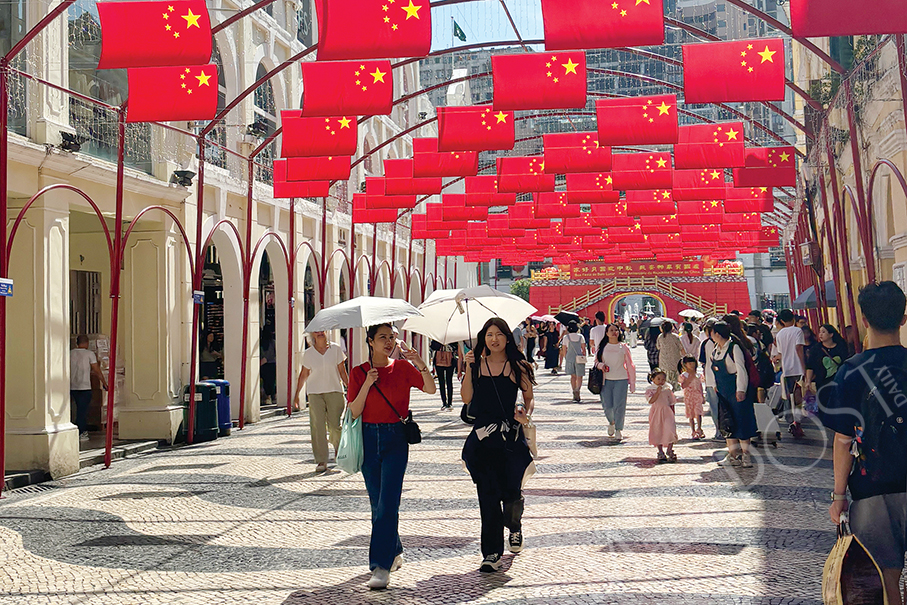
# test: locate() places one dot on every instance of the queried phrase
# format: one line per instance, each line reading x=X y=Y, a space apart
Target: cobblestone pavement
x=246 y=520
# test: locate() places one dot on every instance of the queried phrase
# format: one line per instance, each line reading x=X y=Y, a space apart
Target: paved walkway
x=246 y=520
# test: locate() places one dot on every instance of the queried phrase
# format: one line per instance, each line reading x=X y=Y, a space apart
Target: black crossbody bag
x=411 y=430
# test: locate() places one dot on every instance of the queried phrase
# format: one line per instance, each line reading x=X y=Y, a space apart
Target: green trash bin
x=205 y=428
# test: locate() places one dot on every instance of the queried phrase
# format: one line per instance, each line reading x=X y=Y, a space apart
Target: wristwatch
x=836 y=497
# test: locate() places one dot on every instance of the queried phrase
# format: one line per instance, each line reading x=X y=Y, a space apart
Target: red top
x=395 y=381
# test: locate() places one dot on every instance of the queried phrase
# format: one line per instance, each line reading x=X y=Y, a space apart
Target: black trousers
x=445 y=383
x=500 y=504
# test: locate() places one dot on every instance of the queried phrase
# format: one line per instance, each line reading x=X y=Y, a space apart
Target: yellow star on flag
x=165 y=16
x=663 y=109
x=785 y=157
x=167 y=27
x=763 y=189
x=176 y=34
x=662 y=163
x=171 y=9
x=203 y=79
x=716 y=174
x=767 y=55
x=378 y=75
x=502 y=117
x=570 y=66
x=732 y=135
x=344 y=122
x=638 y=2
x=623 y=13
x=192 y=21
x=411 y=10
x=666 y=195
x=609 y=180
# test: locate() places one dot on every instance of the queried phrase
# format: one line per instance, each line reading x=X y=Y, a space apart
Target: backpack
x=765 y=367
x=444 y=357
x=752 y=371
x=881 y=443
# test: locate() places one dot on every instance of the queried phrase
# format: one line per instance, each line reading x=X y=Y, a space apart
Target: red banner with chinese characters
x=690 y=268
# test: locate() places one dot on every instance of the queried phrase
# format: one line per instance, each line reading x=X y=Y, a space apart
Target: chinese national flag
x=704 y=184
x=745 y=70
x=696 y=213
x=749 y=199
x=665 y=241
x=767 y=167
x=637 y=120
x=168 y=94
x=821 y=18
x=710 y=146
x=523 y=175
x=581 y=225
x=642 y=171
x=575 y=152
x=602 y=23
x=611 y=215
x=357 y=88
x=650 y=203
x=522 y=216
x=591 y=188
x=454 y=208
x=555 y=205
x=660 y=224
x=315 y=137
x=400 y=180
x=747 y=221
x=483 y=191
x=364 y=215
x=700 y=233
x=769 y=237
x=154 y=34
x=286 y=189
x=627 y=235
x=539 y=81
x=378 y=197
x=429 y=162
x=476 y=128
x=372 y=29
x=318 y=169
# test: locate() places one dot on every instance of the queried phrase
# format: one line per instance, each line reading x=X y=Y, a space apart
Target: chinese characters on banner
x=639 y=269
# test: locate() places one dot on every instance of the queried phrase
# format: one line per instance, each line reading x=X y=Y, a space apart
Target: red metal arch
x=179 y=226
x=306 y=244
x=270 y=235
x=228 y=225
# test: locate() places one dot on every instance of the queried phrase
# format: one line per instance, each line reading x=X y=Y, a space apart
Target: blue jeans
x=385 y=454
x=711 y=397
x=82 y=401
x=614 y=401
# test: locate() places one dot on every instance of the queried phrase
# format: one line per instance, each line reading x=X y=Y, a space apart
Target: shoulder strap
x=375 y=385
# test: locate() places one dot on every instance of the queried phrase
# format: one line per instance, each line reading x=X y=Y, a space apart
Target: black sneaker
x=515 y=542
x=491 y=563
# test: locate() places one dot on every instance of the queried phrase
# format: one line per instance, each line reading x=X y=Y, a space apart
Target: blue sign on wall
x=198 y=297
x=6 y=287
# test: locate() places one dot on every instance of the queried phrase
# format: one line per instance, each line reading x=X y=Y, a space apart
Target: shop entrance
x=211 y=341
x=267 y=326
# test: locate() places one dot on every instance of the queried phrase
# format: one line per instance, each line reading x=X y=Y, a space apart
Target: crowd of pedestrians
x=719 y=367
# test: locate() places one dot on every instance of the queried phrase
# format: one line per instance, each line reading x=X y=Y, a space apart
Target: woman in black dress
x=552 y=348
x=496 y=452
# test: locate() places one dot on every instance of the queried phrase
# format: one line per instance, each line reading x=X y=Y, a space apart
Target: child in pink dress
x=662 y=428
x=693 y=397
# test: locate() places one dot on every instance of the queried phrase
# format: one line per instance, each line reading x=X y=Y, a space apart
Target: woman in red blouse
x=379 y=393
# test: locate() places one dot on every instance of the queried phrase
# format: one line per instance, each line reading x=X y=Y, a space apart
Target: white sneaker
x=746 y=462
x=610 y=430
x=398 y=563
x=491 y=563
x=618 y=435
x=84 y=436
x=380 y=579
x=515 y=541
x=729 y=461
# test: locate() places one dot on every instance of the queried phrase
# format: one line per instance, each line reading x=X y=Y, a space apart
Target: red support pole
x=291 y=304
x=4 y=257
x=196 y=284
x=866 y=228
x=373 y=274
x=832 y=253
x=841 y=228
x=115 y=286
x=246 y=289
x=393 y=271
x=323 y=270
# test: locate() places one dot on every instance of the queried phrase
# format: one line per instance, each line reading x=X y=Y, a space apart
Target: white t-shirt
x=786 y=344
x=597 y=335
x=324 y=377
x=80 y=361
x=614 y=357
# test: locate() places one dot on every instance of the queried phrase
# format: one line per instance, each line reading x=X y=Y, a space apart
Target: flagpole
x=452 y=25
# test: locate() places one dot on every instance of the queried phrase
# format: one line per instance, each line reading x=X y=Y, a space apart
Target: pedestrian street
x=245 y=519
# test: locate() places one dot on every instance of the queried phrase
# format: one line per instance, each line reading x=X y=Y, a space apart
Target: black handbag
x=410 y=429
x=726 y=422
x=596 y=380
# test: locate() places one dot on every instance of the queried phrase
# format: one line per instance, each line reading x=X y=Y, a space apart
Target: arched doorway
x=636 y=305
x=267 y=325
x=211 y=359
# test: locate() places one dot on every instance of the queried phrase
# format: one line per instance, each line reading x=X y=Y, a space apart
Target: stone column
x=39 y=434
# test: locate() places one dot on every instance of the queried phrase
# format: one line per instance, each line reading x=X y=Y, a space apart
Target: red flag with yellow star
x=523 y=175
x=154 y=34
x=349 y=88
x=287 y=189
x=768 y=167
x=749 y=199
x=399 y=180
x=475 y=128
x=373 y=29
x=642 y=171
x=483 y=191
x=575 y=152
x=660 y=224
x=539 y=81
x=522 y=216
x=602 y=23
x=745 y=221
x=651 y=203
x=703 y=184
x=453 y=207
x=710 y=146
x=314 y=137
x=821 y=18
x=581 y=225
x=612 y=215
x=696 y=213
x=637 y=121
x=429 y=162
x=591 y=188
x=554 y=204
x=769 y=237
x=319 y=169
x=745 y=70
x=167 y=94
